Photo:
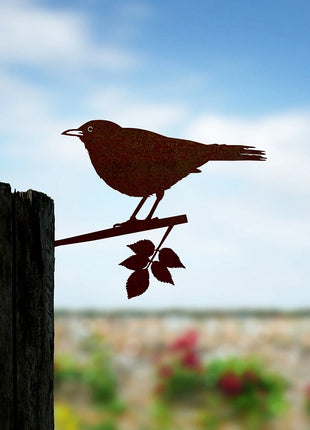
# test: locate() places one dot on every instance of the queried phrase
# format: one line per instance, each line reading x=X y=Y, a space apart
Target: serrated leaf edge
x=130 y=257
x=148 y=283
x=133 y=245
x=160 y=280
x=178 y=266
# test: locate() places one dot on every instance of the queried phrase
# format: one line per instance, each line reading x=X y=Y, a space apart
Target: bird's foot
x=133 y=221
x=129 y=222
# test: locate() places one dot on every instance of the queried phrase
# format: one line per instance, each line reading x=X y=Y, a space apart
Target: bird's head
x=91 y=129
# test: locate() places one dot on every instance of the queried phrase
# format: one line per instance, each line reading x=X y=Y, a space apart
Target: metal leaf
x=143 y=247
x=169 y=258
x=137 y=283
x=161 y=272
x=135 y=262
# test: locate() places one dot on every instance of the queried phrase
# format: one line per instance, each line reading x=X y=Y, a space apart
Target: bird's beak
x=73 y=132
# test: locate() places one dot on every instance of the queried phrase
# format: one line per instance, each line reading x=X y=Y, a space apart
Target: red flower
x=230 y=384
x=186 y=341
x=191 y=359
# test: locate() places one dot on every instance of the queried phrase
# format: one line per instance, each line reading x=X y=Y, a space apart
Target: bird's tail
x=235 y=152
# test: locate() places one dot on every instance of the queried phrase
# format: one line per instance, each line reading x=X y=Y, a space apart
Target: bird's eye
x=90 y=128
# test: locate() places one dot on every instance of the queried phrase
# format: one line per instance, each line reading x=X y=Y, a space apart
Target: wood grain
x=6 y=310
x=29 y=295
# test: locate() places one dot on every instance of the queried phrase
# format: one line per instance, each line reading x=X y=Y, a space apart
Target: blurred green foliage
x=243 y=390
x=93 y=371
x=207 y=393
x=248 y=385
x=235 y=389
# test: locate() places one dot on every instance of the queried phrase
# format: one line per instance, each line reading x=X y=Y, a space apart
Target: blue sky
x=234 y=72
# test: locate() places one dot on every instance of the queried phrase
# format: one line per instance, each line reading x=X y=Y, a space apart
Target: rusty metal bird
x=140 y=163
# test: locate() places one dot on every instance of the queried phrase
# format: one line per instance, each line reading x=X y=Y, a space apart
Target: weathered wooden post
x=26 y=310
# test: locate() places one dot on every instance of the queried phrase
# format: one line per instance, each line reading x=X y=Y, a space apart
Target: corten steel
x=140 y=163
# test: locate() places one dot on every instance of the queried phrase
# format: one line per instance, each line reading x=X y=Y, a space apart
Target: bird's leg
x=159 y=196
x=133 y=218
x=141 y=203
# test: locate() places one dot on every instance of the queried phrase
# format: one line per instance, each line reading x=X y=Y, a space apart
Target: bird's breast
x=121 y=171
x=136 y=168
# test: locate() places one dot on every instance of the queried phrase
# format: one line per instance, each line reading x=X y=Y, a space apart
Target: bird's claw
x=129 y=222
x=132 y=222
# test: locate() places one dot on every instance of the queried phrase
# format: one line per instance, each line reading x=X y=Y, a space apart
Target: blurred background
x=227 y=71
x=171 y=370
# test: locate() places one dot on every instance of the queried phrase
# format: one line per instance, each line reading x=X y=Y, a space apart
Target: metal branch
x=125 y=228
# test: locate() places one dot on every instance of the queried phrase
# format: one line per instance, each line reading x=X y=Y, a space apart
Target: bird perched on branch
x=140 y=163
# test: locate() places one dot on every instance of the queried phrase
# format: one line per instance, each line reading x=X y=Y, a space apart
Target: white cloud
x=30 y=131
x=259 y=223
x=128 y=110
x=285 y=138
x=57 y=39
x=33 y=130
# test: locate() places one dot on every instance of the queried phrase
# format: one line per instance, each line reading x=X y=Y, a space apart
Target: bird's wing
x=158 y=162
x=150 y=147
x=186 y=153
x=140 y=163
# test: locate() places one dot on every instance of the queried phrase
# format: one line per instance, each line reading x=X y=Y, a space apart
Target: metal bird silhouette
x=140 y=163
